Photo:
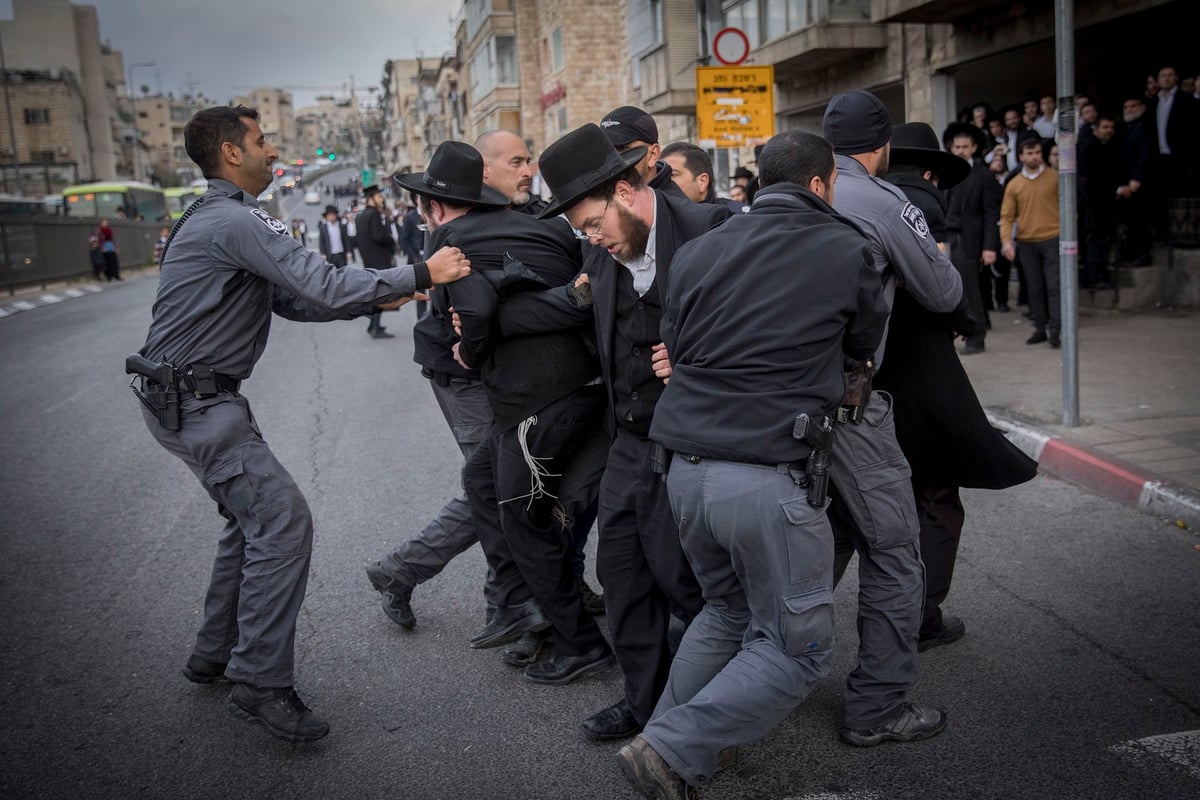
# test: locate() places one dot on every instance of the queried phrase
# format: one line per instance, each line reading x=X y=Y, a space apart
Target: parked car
x=312 y=198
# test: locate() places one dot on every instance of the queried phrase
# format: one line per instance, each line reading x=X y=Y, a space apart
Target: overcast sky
x=230 y=46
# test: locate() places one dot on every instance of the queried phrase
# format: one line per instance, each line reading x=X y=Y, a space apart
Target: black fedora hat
x=330 y=210
x=455 y=175
x=956 y=129
x=578 y=163
x=916 y=143
x=370 y=190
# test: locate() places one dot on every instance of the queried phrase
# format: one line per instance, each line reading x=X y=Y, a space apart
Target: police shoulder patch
x=914 y=219
x=266 y=219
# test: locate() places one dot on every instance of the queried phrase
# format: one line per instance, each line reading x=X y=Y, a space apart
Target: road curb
x=1104 y=474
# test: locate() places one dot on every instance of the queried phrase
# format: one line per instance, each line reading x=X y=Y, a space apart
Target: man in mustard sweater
x=1031 y=200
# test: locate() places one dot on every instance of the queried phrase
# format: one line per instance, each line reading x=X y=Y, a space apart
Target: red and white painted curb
x=1107 y=475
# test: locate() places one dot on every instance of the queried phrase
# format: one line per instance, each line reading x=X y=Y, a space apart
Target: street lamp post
x=137 y=136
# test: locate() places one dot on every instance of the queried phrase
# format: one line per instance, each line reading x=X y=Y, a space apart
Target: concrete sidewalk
x=1139 y=437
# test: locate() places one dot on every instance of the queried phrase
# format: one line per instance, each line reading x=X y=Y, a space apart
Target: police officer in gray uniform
x=226 y=267
x=745 y=480
x=873 y=510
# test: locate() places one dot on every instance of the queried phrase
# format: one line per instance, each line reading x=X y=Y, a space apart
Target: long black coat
x=942 y=429
x=974 y=215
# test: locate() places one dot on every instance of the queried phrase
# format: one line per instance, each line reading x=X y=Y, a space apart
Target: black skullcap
x=857 y=122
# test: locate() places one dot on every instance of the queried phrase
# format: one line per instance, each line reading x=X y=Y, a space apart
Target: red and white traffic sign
x=731 y=46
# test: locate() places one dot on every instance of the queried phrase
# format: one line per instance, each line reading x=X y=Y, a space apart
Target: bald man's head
x=506 y=164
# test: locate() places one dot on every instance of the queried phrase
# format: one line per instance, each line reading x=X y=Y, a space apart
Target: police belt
x=201 y=382
x=442 y=378
x=783 y=468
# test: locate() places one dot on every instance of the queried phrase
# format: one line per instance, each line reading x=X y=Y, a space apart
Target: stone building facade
x=63 y=42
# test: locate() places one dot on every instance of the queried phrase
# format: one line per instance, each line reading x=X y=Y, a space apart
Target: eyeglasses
x=583 y=236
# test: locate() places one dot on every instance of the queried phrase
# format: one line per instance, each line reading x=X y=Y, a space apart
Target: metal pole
x=1068 y=242
x=137 y=134
x=12 y=131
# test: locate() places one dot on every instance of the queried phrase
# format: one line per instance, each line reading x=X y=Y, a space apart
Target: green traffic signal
x=332 y=156
x=320 y=151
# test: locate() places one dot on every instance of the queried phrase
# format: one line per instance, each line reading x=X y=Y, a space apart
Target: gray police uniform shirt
x=230 y=266
x=899 y=238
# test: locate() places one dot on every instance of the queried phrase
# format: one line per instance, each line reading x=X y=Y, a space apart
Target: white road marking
x=73 y=292
x=49 y=299
x=1179 y=748
x=23 y=305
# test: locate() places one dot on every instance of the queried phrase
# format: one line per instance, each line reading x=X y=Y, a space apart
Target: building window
x=644 y=25
x=506 y=60
x=477 y=13
x=37 y=116
x=494 y=64
x=42 y=156
x=556 y=50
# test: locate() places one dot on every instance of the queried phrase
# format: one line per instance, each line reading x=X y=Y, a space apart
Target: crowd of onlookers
x=1131 y=161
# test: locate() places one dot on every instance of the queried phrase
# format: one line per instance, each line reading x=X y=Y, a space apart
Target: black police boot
x=280 y=711
x=199 y=670
x=397 y=596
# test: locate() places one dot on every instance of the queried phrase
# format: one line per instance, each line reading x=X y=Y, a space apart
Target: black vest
x=636 y=389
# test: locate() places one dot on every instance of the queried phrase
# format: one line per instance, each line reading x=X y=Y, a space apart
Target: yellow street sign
x=734 y=105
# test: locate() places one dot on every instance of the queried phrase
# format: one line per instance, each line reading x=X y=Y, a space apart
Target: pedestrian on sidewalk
x=377 y=247
x=108 y=247
x=1031 y=201
x=224 y=272
x=96 y=256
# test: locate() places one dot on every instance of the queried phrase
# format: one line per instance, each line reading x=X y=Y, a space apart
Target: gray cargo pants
x=465 y=406
x=763 y=557
x=260 y=572
x=873 y=512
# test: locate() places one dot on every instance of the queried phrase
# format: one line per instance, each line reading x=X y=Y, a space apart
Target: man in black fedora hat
x=943 y=432
x=877 y=517
x=333 y=240
x=546 y=400
x=633 y=232
x=973 y=219
x=376 y=245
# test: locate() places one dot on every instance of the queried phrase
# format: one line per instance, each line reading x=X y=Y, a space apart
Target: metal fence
x=39 y=250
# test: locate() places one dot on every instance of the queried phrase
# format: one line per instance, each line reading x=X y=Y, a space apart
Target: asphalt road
x=1082 y=615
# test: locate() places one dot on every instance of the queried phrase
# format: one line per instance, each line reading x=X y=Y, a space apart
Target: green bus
x=180 y=197
x=114 y=200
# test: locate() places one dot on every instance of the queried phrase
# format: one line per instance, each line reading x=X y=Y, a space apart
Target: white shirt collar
x=643 y=268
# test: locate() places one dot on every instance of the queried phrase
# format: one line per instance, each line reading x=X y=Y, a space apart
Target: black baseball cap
x=629 y=124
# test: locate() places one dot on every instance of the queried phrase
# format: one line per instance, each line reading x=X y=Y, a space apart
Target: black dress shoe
x=971 y=348
x=280 y=711
x=509 y=623
x=593 y=603
x=1055 y=342
x=615 y=722
x=951 y=630
x=199 y=670
x=526 y=650
x=558 y=670
x=1037 y=338
x=1003 y=308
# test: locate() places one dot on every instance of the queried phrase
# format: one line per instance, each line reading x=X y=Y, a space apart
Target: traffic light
x=320 y=151
x=279 y=173
x=299 y=162
x=332 y=156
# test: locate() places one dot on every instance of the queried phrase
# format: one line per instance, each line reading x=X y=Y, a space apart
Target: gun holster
x=660 y=460
x=818 y=434
x=160 y=389
x=858 y=392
